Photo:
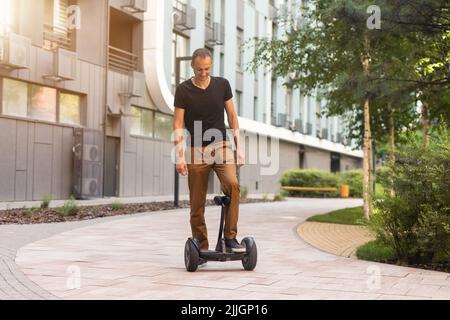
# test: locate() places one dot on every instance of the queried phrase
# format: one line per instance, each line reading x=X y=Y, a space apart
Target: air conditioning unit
x=64 y=65
x=91 y=188
x=136 y=6
x=282 y=120
x=91 y=152
x=88 y=163
x=15 y=51
x=299 y=125
x=184 y=20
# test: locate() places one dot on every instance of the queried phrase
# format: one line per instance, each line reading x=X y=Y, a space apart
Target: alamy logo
x=374 y=21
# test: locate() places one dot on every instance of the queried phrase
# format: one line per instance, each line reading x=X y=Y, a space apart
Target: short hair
x=202 y=53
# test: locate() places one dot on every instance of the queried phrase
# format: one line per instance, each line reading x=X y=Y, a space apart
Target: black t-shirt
x=205 y=105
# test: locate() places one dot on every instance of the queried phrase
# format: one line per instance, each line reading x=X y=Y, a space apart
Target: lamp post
x=178 y=61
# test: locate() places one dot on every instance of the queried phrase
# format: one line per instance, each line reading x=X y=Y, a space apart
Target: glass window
x=15 y=98
x=141 y=122
x=163 y=126
x=135 y=121
x=43 y=103
x=147 y=123
x=69 y=109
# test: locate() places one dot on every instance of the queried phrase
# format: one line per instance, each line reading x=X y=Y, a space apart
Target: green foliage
x=310 y=178
x=280 y=196
x=70 y=207
x=353 y=178
x=376 y=251
x=46 y=201
x=351 y=216
x=117 y=205
x=409 y=60
x=243 y=192
x=415 y=219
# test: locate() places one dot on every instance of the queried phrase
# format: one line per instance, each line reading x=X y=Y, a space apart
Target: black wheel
x=191 y=256
x=251 y=255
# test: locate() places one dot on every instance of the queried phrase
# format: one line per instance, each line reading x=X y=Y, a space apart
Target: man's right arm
x=178 y=126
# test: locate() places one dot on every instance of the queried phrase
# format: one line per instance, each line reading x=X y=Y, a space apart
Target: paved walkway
x=339 y=239
x=141 y=257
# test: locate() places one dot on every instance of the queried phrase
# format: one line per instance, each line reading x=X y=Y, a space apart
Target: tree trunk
x=425 y=123
x=391 y=134
x=367 y=137
x=366 y=161
x=391 y=145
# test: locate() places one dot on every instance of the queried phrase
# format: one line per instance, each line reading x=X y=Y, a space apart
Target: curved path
x=141 y=257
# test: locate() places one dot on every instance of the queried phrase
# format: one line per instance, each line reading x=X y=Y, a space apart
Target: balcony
x=57 y=37
x=183 y=16
x=214 y=33
x=308 y=128
x=122 y=60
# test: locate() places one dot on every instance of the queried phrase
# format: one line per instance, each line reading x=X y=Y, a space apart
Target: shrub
x=46 y=201
x=376 y=251
x=117 y=205
x=70 y=207
x=243 y=192
x=354 y=179
x=415 y=219
x=280 y=196
x=310 y=178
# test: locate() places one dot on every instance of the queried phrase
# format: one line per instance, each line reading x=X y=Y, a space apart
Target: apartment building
x=86 y=94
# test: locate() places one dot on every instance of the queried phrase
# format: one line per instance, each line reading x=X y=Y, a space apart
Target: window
x=9 y=16
x=69 y=108
x=163 y=126
x=15 y=98
x=56 y=30
x=179 y=49
x=208 y=12
x=43 y=103
x=239 y=102
x=151 y=124
x=222 y=64
x=239 y=53
x=21 y=99
x=141 y=122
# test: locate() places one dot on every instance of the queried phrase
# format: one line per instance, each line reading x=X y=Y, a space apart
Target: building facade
x=86 y=94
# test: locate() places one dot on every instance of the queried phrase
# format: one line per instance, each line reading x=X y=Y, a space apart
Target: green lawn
x=353 y=216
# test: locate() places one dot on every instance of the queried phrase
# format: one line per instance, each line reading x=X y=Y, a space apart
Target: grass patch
x=376 y=251
x=352 y=216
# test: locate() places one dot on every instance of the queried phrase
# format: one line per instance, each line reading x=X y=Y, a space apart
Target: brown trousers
x=219 y=157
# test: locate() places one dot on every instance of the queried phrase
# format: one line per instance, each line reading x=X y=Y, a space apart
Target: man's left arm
x=234 y=125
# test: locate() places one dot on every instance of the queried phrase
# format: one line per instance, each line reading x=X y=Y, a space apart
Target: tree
x=372 y=74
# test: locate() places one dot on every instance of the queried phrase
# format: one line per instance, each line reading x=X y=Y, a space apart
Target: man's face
x=202 y=68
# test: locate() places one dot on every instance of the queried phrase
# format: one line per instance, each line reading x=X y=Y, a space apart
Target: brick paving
x=339 y=239
x=141 y=257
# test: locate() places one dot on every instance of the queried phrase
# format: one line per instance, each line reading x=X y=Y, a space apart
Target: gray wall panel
x=7 y=159
x=139 y=166
x=42 y=182
x=317 y=159
x=22 y=146
x=30 y=161
x=129 y=175
x=44 y=133
x=147 y=167
x=21 y=186
x=56 y=162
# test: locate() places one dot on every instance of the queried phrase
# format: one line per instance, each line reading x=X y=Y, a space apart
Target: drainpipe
x=105 y=105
